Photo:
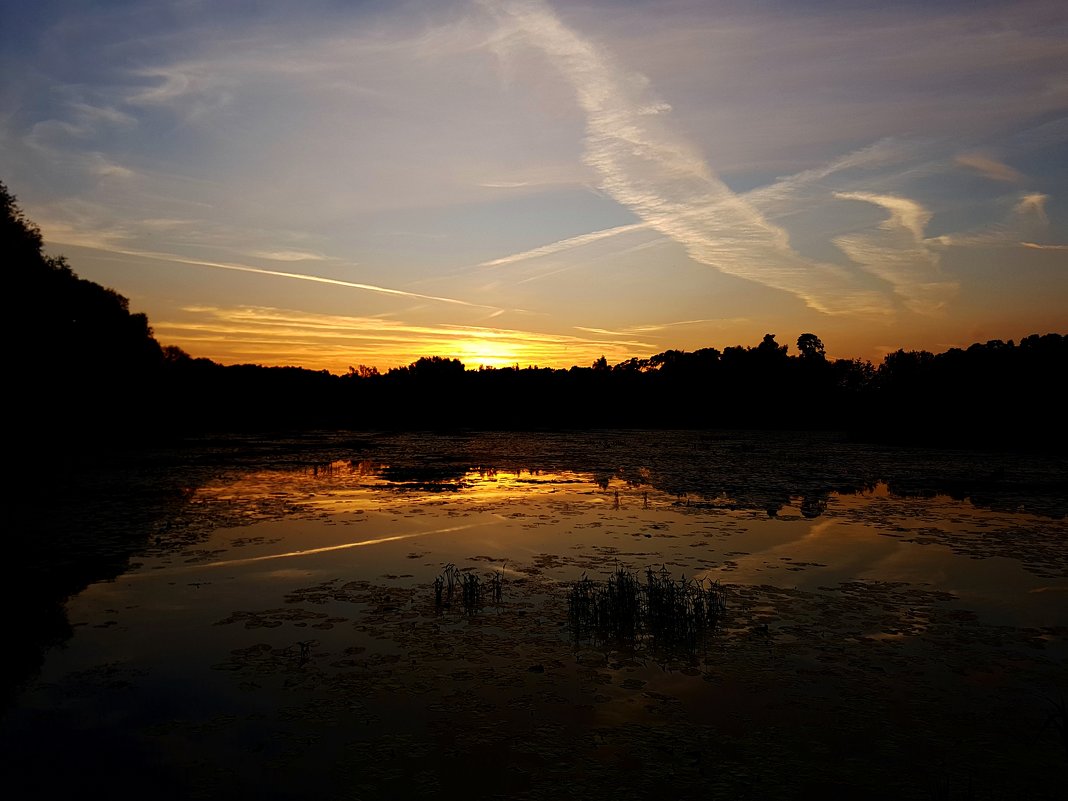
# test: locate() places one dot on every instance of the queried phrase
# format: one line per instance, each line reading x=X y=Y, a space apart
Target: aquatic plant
x=445 y=585
x=473 y=591
x=667 y=613
x=452 y=576
x=497 y=586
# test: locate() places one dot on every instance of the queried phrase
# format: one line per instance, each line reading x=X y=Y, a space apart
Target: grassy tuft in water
x=473 y=592
x=664 y=612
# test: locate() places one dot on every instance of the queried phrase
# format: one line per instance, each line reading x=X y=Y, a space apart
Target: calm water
x=897 y=625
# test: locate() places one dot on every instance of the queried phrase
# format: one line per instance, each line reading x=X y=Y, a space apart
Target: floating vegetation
x=473 y=591
x=666 y=613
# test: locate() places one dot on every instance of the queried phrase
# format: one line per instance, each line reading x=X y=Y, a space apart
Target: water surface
x=897 y=625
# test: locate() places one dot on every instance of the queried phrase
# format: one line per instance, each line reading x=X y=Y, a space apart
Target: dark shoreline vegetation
x=90 y=373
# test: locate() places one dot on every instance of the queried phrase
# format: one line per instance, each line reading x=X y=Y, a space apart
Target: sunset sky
x=340 y=183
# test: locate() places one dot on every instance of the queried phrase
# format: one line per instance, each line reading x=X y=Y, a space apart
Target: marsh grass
x=663 y=612
x=473 y=592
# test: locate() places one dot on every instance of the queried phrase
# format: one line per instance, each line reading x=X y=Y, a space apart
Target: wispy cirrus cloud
x=1037 y=246
x=898 y=252
x=1026 y=219
x=334 y=342
x=787 y=194
x=1033 y=205
x=654 y=328
x=904 y=213
x=287 y=255
x=651 y=170
x=989 y=167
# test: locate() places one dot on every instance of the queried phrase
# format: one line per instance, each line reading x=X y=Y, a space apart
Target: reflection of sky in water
x=183 y=628
x=884 y=601
x=357 y=520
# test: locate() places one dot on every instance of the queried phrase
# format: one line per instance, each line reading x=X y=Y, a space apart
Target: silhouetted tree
x=21 y=238
x=811 y=348
x=86 y=364
x=436 y=367
x=770 y=349
x=363 y=371
x=632 y=365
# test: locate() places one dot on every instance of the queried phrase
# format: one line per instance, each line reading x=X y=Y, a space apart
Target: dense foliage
x=87 y=368
x=81 y=360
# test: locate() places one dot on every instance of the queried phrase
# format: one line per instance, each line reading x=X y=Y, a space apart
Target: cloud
x=1028 y=216
x=564 y=244
x=630 y=330
x=647 y=167
x=989 y=167
x=70 y=143
x=287 y=255
x=781 y=197
x=324 y=341
x=904 y=213
x=243 y=268
x=322 y=280
x=191 y=89
x=898 y=253
x=1033 y=205
x=1037 y=246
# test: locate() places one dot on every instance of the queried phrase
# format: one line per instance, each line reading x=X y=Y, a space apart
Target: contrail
x=318 y=279
x=649 y=168
x=565 y=244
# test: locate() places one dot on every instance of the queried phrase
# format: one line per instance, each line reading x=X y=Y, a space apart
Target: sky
x=329 y=184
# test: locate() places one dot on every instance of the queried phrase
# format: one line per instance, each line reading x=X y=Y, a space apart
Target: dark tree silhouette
x=21 y=239
x=811 y=348
x=86 y=365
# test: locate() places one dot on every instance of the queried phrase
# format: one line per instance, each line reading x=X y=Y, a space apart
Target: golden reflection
x=356 y=486
x=340 y=547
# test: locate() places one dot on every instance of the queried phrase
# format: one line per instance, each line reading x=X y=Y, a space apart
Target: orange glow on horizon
x=274 y=337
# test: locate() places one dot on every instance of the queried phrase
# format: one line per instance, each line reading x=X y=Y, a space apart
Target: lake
x=264 y=621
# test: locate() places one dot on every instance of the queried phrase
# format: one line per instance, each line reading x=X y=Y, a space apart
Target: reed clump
x=473 y=592
x=664 y=612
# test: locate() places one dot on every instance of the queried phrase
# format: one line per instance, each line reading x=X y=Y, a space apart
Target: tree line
x=83 y=366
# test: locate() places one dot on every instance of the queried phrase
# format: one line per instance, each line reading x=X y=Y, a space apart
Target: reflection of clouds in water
x=674 y=490
x=339 y=547
x=808 y=555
